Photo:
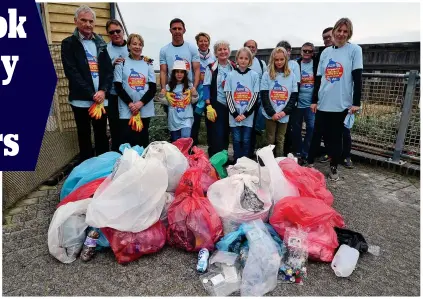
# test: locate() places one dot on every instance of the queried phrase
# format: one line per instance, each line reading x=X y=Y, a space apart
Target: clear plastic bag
x=280 y=186
x=223 y=277
x=238 y=199
x=66 y=233
x=261 y=269
x=294 y=264
x=131 y=198
x=171 y=157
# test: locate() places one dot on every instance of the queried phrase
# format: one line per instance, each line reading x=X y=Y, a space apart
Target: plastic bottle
x=89 y=246
x=345 y=260
x=203 y=259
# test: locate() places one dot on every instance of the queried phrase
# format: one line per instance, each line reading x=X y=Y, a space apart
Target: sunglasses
x=118 y=31
x=307 y=51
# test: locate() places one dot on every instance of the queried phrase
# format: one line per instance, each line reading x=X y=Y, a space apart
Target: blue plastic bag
x=349 y=121
x=237 y=241
x=89 y=170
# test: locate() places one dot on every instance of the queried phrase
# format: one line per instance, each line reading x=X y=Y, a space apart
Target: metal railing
x=389 y=122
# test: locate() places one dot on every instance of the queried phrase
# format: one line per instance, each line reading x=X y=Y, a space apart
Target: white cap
x=179 y=65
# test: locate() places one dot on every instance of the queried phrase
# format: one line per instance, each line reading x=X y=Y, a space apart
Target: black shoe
x=347 y=163
x=325 y=159
x=333 y=174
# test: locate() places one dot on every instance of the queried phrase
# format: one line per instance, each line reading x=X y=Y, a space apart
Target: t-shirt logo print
x=307 y=80
x=183 y=59
x=136 y=80
x=202 y=73
x=333 y=71
x=180 y=101
x=242 y=94
x=279 y=94
x=92 y=63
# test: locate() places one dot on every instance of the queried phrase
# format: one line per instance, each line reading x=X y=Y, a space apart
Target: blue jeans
x=242 y=141
x=300 y=115
x=182 y=133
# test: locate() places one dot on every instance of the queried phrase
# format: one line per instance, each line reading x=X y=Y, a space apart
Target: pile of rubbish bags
x=262 y=221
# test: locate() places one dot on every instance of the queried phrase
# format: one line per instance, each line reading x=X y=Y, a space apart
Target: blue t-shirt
x=295 y=68
x=256 y=67
x=305 y=94
x=203 y=67
x=116 y=52
x=180 y=115
x=134 y=76
x=280 y=91
x=242 y=87
x=186 y=52
x=91 y=53
x=335 y=67
x=222 y=75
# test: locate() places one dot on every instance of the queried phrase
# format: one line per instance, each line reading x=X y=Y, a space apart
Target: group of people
x=241 y=98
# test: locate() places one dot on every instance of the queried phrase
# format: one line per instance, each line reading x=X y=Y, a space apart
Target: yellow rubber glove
x=187 y=98
x=96 y=110
x=211 y=113
x=136 y=123
x=170 y=96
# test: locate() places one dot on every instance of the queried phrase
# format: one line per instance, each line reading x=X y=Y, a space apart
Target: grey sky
x=268 y=23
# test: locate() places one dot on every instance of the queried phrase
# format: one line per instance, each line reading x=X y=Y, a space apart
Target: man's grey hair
x=284 y=44
x=308 y=44
x=84 y=8
x=221 y=43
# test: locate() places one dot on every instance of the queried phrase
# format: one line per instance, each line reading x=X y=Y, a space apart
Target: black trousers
x=218 y=131
x=113 y=116
x=288 y=143
x=330 y=126
x=83 y=127
x=195 y=130
x=127 y=135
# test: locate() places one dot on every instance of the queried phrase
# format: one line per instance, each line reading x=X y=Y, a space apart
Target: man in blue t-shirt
x=118 y=51
x=308 y=68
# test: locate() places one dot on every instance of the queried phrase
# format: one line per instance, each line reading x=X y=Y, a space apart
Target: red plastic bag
x=193 y=222
x=184 y=144
x=315 y=217
x=83 y=192
x=199 y=159
x=128 y=246
x=309 y=181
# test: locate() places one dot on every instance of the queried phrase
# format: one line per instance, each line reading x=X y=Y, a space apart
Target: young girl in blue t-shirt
x=279 y=93
x=179 y=97
x=241 y=89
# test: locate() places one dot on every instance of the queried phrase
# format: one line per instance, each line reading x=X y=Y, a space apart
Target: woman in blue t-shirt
x=337 y=92
x=135 y=84
x=241 y=89
x=180 y=94
x=279 y=93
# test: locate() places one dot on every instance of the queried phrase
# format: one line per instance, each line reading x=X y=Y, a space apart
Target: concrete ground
x=383 y=206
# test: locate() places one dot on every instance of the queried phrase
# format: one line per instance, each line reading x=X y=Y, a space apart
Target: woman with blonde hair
x=338 y=94
x=279 y=93
x=135 y=84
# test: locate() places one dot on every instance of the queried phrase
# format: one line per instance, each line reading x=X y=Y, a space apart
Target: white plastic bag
x=172 y=158
x=260 y=273
x=131 y=198
x=280 y=186
x=239 y=198
x=66 y=234
x=245 y=165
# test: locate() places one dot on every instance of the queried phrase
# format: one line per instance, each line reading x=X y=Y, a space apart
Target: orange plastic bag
x=315 y=217
x=193 y=222
x=309 y=181
x=128 y=246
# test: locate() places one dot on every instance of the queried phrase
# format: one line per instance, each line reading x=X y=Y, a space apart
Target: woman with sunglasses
x=337 y=92
x=118 y=51
x=308 y=69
